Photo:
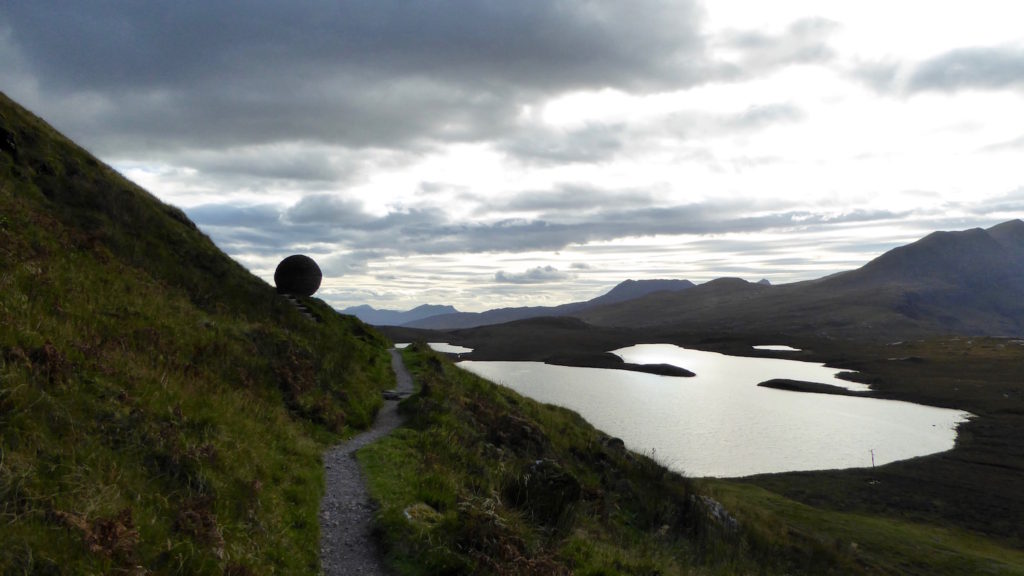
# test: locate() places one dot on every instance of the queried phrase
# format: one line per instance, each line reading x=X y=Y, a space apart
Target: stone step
x=394 y=395
x=300 y=307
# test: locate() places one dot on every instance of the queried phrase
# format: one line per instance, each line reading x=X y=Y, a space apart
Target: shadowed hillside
x=969 y=282
x=162 y=410
x=626 y=290
x=371 y=315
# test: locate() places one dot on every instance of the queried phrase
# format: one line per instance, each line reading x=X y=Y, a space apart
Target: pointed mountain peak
x=1016 y=225
x=630 y=289
x=969 y=257
x=1010 y=234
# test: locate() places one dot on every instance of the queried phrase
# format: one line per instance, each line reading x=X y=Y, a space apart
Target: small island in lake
x=613 y=362
x=812 y=387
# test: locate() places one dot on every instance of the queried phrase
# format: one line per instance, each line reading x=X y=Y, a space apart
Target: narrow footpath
x=346 y=514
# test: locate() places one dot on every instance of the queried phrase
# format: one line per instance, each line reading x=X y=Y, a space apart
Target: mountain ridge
x=961 y=282
x=385 y=317
x=625 y=290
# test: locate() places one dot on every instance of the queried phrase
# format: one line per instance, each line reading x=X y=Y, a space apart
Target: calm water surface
x=776 y=347
x=439 y=347
x=720 y=423
x=448 y=348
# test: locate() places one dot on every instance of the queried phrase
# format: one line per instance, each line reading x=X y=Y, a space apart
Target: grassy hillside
x=161 y=409
x=485 y=481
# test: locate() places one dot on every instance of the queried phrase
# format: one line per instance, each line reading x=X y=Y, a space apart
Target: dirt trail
x=346 y=546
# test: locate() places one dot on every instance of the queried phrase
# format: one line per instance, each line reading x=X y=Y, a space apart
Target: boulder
x=298 y=274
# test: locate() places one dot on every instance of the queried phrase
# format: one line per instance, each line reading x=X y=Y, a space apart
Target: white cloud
x=540 y=274
x=488 y=154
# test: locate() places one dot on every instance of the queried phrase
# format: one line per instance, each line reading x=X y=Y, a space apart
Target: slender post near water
x=872 y=458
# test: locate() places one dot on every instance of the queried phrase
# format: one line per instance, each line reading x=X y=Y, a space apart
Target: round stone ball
x=298 y=274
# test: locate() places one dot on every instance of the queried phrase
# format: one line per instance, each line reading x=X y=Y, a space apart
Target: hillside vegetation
x=485 y=481
x=161 y=409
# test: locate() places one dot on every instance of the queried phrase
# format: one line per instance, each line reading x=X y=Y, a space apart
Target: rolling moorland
x=163 y=411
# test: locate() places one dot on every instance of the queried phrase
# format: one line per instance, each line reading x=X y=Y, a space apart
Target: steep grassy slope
x=161 y=409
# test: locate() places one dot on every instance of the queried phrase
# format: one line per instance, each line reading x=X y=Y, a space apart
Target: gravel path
x=346 y=513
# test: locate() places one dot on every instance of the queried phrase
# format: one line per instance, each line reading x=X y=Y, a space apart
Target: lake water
x=439 y=347
x=448 y=348
x=720 y=423
x=776 y=347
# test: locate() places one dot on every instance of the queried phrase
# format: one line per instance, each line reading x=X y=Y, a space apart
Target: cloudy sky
x=488 y=153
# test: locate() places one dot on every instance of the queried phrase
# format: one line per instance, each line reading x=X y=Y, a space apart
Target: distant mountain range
x=371 y=315
x=969 y=282
x=447 y=318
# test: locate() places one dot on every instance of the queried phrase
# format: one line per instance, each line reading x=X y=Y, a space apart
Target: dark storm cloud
x=355 y=72
x=254 y=216
x=1010 y=203
x=327 y=209
x=305 y=165
x=1006 y=145
x=544 y=145
x=570 y=200
x=537 y=275
x=693 y=126
x=596 y=143
x=125 y=44
x=333 y=221
x=804 y=41
x=986 y=68
x=879 y=75
x=757 y=117
x=973 y=68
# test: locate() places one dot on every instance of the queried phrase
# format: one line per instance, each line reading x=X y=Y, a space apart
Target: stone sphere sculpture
x=298 y=274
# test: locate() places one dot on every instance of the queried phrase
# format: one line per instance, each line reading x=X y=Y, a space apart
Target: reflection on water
x=776 y=347
x=441 y=347
x=448 y=348
x=720 y=423
x=722 y=366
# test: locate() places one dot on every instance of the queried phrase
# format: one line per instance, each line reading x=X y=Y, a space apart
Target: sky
x=486 y=153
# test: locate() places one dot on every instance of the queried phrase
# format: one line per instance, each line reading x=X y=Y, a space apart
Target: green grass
x=975 y=486
x=162 y=410
x=881 y=545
